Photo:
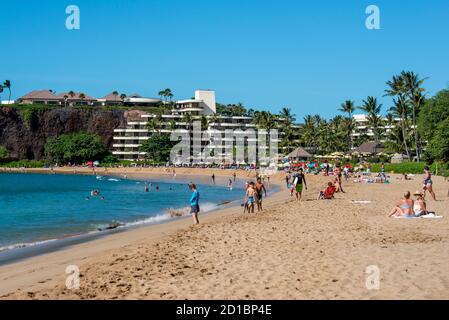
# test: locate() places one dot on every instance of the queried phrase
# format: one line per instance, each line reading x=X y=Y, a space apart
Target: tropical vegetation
x=75 y=148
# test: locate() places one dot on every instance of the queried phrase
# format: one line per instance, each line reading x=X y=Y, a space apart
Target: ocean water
x=38 y=208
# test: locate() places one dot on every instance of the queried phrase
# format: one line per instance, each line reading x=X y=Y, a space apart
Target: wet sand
x=308 y=250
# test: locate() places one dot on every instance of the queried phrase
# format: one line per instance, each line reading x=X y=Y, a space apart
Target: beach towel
x=428 y=216
x=361 y=201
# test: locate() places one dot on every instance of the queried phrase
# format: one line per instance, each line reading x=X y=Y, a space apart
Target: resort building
x=362 y=127
x=75 y=99
x=112 y=99
x=40 y=97
x=183 y=115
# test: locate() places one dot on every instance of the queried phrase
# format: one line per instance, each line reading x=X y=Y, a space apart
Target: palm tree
x=154 y=124
x=416 y=96
x=172 y=124
x=348 y=107
x=166 y=95
x=400 y=110
x=123 y=96
x=372 y=109
x=287 y=115
x=265 y=120
x=7 y=85
x=310 y=133
x=82 y=96
x=1 y=90
x=72 y=95
x=65 y=100
x=188 y=119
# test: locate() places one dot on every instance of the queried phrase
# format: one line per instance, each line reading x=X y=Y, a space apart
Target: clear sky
x=306 y=55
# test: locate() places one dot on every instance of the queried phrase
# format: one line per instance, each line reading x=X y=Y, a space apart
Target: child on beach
x=404 y=208
x=250 y=197
x=194 y=203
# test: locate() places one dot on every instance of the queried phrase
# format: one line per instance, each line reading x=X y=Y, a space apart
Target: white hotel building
x=127 y=141
x=362 y=127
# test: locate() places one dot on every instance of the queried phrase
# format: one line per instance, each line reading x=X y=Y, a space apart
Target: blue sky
x=306 y=55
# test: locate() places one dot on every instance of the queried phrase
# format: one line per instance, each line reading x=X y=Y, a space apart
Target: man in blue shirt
x=194 y=203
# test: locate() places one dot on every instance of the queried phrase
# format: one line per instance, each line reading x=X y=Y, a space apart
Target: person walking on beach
x=250 y=196
x=235 y=176
x=299 y=182
x=213 y=178
x=260 y=189
x=338 y=176
x=195 y=204
x=287 y=180
x=427 y=183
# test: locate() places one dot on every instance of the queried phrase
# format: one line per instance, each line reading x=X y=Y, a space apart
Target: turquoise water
x=35 y=208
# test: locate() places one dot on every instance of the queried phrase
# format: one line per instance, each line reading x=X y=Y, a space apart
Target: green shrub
x=24 y=164
x=411 y=168
x=75 y=148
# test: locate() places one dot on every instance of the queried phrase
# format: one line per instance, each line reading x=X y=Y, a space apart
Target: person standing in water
x=230 y=184
x=299 y=182
x=194 y=204
x=287 y=180
x=213 y=178
x=428 y=183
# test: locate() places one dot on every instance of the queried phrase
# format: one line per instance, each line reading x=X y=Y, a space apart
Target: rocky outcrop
x=25 y=132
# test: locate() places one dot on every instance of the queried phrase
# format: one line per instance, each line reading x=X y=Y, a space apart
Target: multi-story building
x=201 y=109
x=362 y=127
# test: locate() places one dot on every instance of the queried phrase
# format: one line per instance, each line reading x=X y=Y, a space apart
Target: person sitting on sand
x=427 y=183
x=420 y=206
x=404 y=208
x=328 y=193
x=250 y=197
x=194 y=203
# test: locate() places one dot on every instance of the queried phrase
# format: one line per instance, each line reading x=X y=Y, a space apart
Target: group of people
x=409 y=208
x=296 y=182
x=254 y=195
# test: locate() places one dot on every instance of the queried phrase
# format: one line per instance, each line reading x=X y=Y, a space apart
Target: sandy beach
x=308 y=250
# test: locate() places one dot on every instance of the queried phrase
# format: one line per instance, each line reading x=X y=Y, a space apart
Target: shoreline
x=314 y=249
x=22 y=251
x=72 y=246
